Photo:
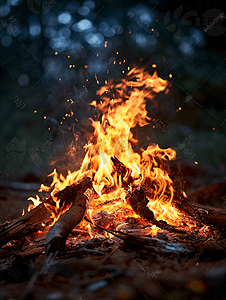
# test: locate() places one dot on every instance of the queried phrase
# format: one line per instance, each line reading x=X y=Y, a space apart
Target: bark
x=32 y=221
x=201 y=214
x=59 y=232
x=139 y=201
x=25 y=225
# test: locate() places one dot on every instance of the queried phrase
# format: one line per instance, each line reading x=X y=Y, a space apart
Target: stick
x=58 y=233
x=24 y=225
x=200 y=213
x=139 y=201
x=34 y=220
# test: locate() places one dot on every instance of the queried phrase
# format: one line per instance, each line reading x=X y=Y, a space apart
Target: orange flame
x=123 y=106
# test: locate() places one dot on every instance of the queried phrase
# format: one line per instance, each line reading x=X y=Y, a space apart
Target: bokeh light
x=83 y=25
x=64 y=18
x=83 y=10
x=140 y=39
x=4 y=10
x=23 y=79
x=6 y=41
x=35 y=30
x=89 y=4
x=94 y=39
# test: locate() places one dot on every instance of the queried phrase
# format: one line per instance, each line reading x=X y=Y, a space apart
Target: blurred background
x=55 y=55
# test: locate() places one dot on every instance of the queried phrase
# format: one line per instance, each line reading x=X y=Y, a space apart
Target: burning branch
x=42 y=215
x=59 y=232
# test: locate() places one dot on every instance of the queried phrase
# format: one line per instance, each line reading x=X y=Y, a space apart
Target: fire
x=122 y=106
x=36 y=202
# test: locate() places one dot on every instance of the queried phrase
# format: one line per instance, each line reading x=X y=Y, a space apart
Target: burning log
x=31 y=222
x=121 y=169
x=59 y=232
x=197 y=212
x=201 y=213
x=139 y=201
x=151 y=244
x=40 y=216
x=66 y=195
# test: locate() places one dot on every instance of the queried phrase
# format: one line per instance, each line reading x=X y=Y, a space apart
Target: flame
x=36 y=202
x=122 y=106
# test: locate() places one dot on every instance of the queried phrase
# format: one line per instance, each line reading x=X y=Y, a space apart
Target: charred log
x=122 y=170
x=32 y=221
x=199 y=213
x=139 y=202
x=151 y=244
x=66 y=195
x=40 y=216
x=204 y=214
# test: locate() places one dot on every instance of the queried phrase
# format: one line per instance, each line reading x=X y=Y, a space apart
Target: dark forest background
x=53 y=52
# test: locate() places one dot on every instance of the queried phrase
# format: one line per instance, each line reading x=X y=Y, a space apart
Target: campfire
x=115 y=185
x=117 y=191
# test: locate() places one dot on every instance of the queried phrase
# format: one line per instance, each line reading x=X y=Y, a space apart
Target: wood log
x=201 y=214
x=122 y=170
x=32 y=221
x=66 y=196
x=25 y=225
x=139 y=201
x=144 y=242
x=58 y=233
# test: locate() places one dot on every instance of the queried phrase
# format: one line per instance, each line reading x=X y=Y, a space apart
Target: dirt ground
x=103 y=268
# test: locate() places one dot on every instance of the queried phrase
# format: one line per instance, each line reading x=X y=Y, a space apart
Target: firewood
x=152 y=244
x=122 y=170
x=201 y=213
x=139 y=201
x=197 y=212
x=40 y=216
x=66 y=195
x=32 y=221
x=58 y=233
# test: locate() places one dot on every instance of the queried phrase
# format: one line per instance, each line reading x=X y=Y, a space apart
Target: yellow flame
x=122 y=106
